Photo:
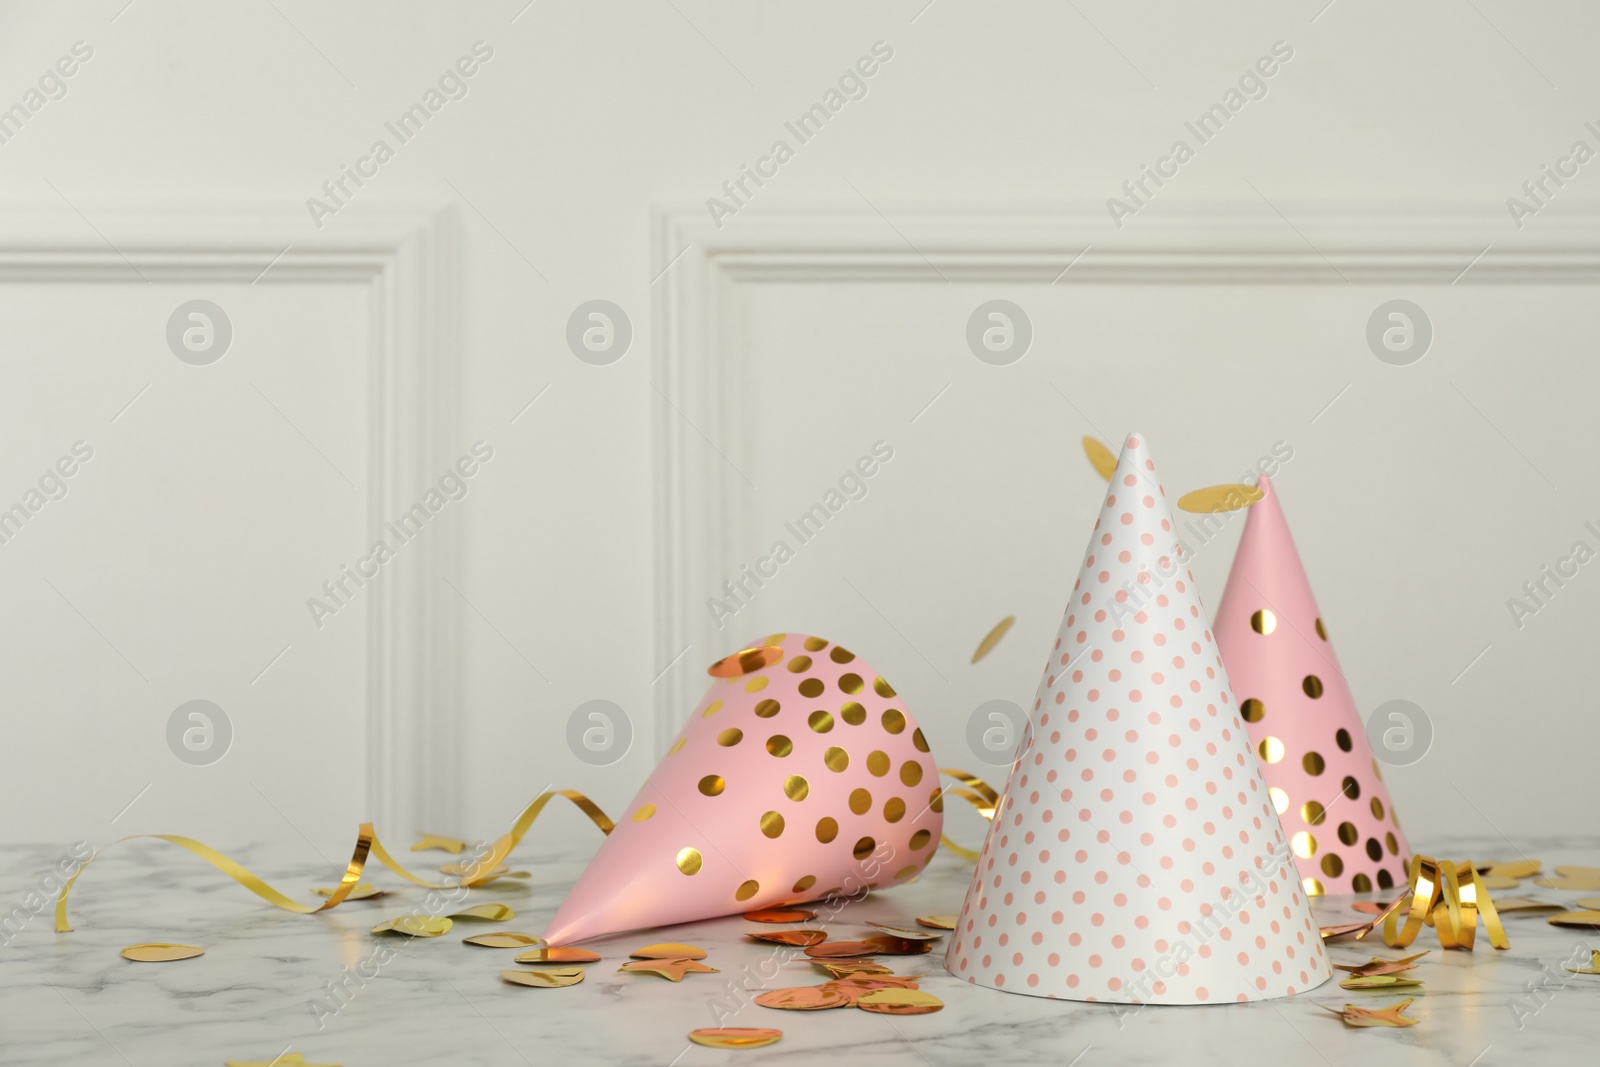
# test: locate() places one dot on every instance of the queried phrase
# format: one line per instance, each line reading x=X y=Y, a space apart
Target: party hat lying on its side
x=799 y=775
x=1297 y=706
x=1135 y=856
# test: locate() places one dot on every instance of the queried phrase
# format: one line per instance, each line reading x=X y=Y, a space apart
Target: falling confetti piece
x=993 y=637
x=672 y=970
x=668 y=950
x=846 y=968
x=803 y=998
x=1530 y=904
x=161 y=952
x=286 y=1059
x=1101 y=458
x=1516 y=869
x=443 y=844
x=544 y=979
x=1590 y=919
x=900 y=1002
x=1216 y=499
x=799 y=938
x=415 y=926
x=505 y=939
x=559 y=954
x=1390 y=1016
x=1382 y=982
x=938 y=922
x=363 y=891
x=735 y=1037
x=780 y=915
x=1593 y=968
x=493 y=913
x=904 y=932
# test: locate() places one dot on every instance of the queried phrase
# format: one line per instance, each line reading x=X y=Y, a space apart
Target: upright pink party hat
x=799 y=775
x=1135 y=856
x=1297 y=706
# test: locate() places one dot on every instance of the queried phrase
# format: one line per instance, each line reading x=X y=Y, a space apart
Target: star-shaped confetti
x=1390 y=1016
x=1378 y=965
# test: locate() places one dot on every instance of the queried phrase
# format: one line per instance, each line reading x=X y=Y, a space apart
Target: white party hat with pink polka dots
x=1135 y=856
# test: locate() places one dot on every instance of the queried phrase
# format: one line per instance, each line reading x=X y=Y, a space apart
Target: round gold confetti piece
x=783 y=915
x=851 y=683
x=820 y=721
x=1216 y=499
x=747 y=889
x=544 y=979
x=730 y=737
x=799 y=938
x=847 y=968
x=712 y=785
x=493 y=913
x=1589 y=919
x=890 y=945
x=644 y=812
x=903 y=931
x=803 y=998
x=992 y=638
x=1312 y=686
x=827 y=829
x=416 y=926
x=559 y=954
x=779 y=745
x=1313 y=763
x=735 y=1036
x=744 y=662
x=938 y=922
x=161 y=952
x=772 y=824
x=795 y=787
x=1252 y=710
x=900 y=1002
x=767 y=709
x=505 y=939
x=837 y=759
x=894 y=720
x=669 y=950
x=1263 y=622
x=689 y=860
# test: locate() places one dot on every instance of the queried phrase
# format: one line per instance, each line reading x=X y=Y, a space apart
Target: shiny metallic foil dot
x=799 y=665
x=747 y=890
x=1280 y=800
x=1263 y=622
x=1374 y=849
x=1332 y=865
x=756 y=684
x=1348 y=833
x=1361 y=884
x=679 y=743
x=1385 y=880
x=767 y=709
x=772 y=824
x=860 y=801
x=1271 y=749
x=1312 y=813
x=827 y=829
x=711 y=709
x=911 y=772
x=882 y=688
x=850 y=683
x=779 y=745
x=837 y=759
x=796 y=788
x=877 y=763
x=730 y=737
x=689 y=860
x=894 y=809
x=644 y=812
x=853 y=713
x=820 y=721
x=1304 y=845
x=1252 y=710
x=936 y=801
x=906 y=872
x=816 y=644
x=920 y=839
x=1312 y=685
x=918 y=741
x=1312 y=887
x=811 y=687
x=1342 y=738
x=894 y=720
x=863 y=848
x=841 y=654
x=805 y=883
x=1394 y=845
x=1377 y=808
x=712 y=785
x=1312 y=762
x=1322 y=633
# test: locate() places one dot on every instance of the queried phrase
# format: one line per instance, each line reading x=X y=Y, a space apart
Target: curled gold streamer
x=367 y=845
x=977 y=792
x=1448 y=897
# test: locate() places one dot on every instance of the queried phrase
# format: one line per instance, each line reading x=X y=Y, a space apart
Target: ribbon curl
x=1448 y=897
x=980 y=794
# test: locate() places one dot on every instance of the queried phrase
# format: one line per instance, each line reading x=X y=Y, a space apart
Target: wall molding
x=699 y=494
x=406 y=256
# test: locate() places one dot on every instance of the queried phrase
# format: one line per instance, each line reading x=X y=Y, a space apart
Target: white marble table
x=71 y=998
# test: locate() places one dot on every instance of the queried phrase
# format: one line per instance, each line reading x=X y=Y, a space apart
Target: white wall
x=588 y=115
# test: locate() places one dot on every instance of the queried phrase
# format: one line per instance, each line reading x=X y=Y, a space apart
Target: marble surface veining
x=72 y=999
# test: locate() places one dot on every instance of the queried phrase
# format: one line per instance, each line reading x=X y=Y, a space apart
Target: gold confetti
x=780 y=915
x=443 y=844
x=415 y=926
x=735 y=1036
x=1589 y=919
x=363 y=891
x=1390 y=1016
x=1389 y=982
x=1530 y=904
x=668 y=950
x=846 y=968
x=287 y=1059
x=1449 y=897
x=1378 y=965
x=1216 y=499
x=672 y=970
x=558 y=954
x=544 y=979
x=1579 y=872
x=505 y=939
x=859 y=985
x=992 y=638
x=1593 y=968
x=803 y=998
x=938 y=922
x=492 y=913
x=1101 y=458
x=1499 y=881
x=1591 y=902
x=800 y=938
x=903 y=932
x=900 y=1002
x=1580 y=881
x=161 y=952
x=1517 y=869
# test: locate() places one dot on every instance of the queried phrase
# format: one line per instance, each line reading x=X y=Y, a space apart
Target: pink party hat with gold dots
x=799 y=775
x=1135 y=856
x=1297 y=706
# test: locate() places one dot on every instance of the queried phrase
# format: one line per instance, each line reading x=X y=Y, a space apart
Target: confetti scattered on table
x=545 y=979
x=1390 y=1016
x=1594 y=965
x=1381 y=982
x=161 y=952
x=903 y=932
x=938 y=922
x=492 y=913
x=668 y=950
x=415 y=926
x=800 y=938
x=803 y=998
x=443 y=844
x=363 y=891
x=780 y=915
x=1517 y=869
x=1570 y=881
x=992 y=638
x=1379 y=965
x=1530 y=904
x=672 y=970
x=900 y=1002
x=1589 y=919
x=558 y=954
x=845 y=968
x=735 y=1036
x=505 y=939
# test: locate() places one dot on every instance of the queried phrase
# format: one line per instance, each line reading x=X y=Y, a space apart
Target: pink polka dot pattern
x=1135 y=856
x=1304 y=723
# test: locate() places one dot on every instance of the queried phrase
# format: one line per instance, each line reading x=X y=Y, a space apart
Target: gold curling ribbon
x=980 y=795
x=1448 y=897
x=367 y=845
